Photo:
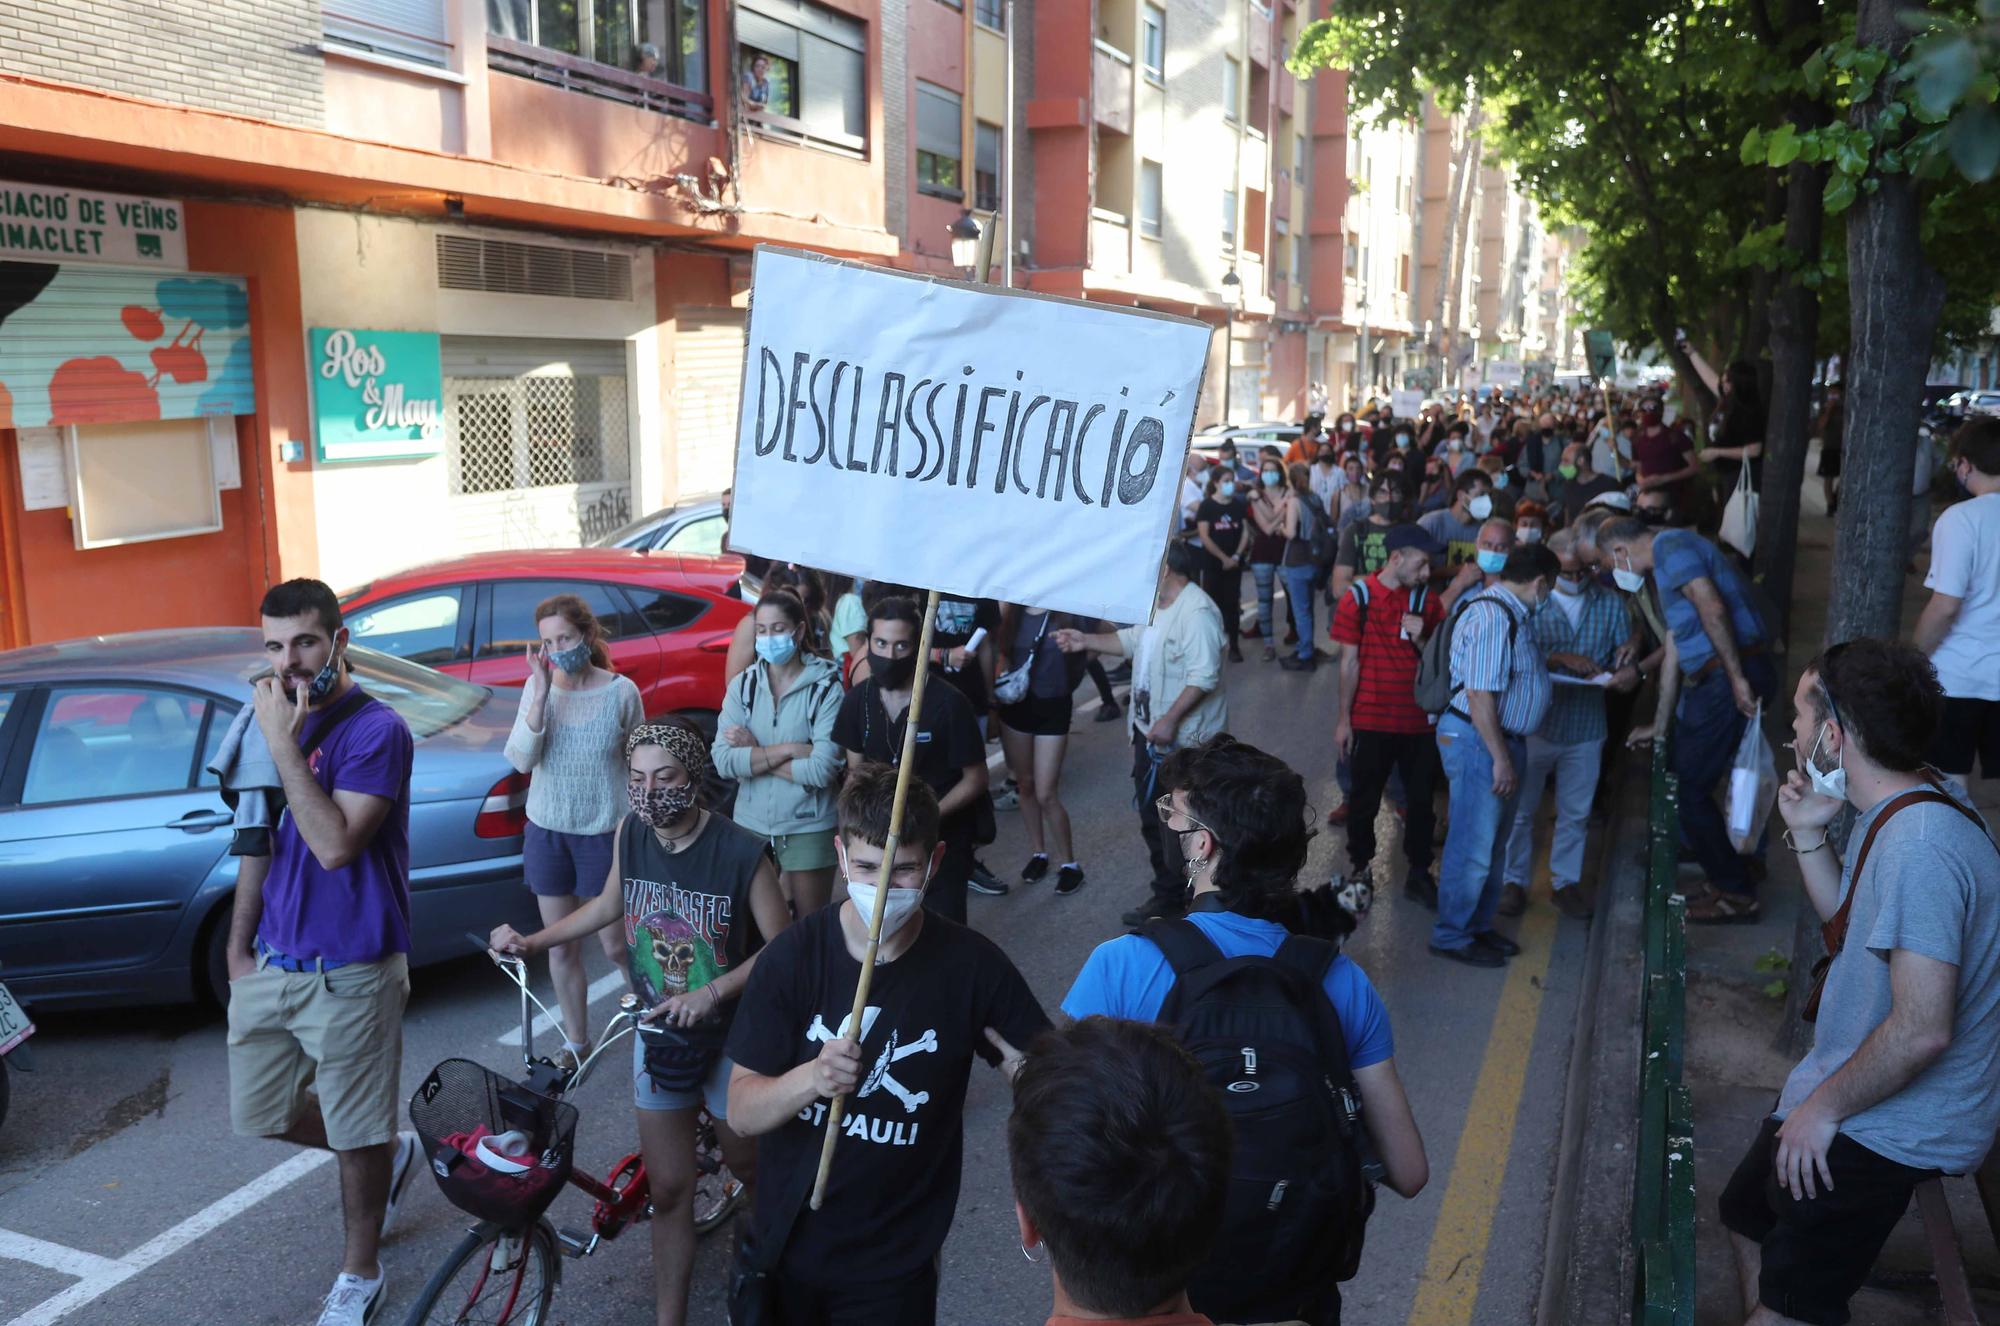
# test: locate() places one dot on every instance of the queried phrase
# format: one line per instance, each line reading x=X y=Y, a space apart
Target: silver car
x=696 y=526
x=115 y=874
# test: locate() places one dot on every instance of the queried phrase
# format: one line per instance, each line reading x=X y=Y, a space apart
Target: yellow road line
x=1449 y=1288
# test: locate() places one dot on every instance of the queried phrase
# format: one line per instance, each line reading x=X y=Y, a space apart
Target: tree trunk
x=1472 y=165
x=1445 y=330
x=1897 y=297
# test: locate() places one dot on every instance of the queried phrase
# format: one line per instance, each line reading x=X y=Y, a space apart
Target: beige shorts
x=337 y=1035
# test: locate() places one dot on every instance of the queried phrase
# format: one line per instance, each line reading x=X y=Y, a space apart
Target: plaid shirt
x=1576 y=713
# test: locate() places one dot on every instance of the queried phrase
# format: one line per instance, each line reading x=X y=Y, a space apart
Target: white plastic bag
x=1753 y=786
x=1739 y=517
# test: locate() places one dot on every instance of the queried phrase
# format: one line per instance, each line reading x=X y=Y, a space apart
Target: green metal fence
x=1663 y=1194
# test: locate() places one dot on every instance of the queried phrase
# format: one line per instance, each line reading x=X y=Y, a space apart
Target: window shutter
x=409 y=29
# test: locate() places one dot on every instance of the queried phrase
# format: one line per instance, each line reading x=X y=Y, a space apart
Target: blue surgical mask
x=573 y=660
x=1225 y=491
x=1273 y=478
x=1500 y=479
x=777 y=649
x=1490 y=562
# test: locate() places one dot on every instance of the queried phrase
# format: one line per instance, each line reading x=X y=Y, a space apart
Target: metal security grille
x=508 y=267
x=537 y=432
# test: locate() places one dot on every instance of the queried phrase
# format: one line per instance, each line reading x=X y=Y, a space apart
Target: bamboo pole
x=904 y=768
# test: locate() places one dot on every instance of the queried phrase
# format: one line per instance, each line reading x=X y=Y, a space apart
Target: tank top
x=687 y=913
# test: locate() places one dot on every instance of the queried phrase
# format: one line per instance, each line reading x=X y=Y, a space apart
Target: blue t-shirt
x=1681 y=555
x=1129 y=978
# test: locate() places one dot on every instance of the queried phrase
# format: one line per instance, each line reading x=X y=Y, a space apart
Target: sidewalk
x=1738 y=1046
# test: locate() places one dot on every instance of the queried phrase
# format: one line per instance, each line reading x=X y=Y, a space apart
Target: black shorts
x=1970 y=728
x=1818 y=1251
x=1039 y=716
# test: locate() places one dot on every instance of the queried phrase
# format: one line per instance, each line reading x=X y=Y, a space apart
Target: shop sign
x=44 y=223
x=377 y=395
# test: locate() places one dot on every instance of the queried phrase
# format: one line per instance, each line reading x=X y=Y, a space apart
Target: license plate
x=14 y=1024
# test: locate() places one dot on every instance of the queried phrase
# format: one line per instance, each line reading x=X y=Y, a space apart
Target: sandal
x=1715 y=907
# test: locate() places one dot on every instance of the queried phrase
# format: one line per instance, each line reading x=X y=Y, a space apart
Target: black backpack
x=1322 y=540
x=1299 y=1193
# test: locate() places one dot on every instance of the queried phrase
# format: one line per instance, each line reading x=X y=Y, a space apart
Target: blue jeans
x=1475 y=859
x=1300 y=584
x=1707 y=727
x=1266 y=576
x=1575 y=767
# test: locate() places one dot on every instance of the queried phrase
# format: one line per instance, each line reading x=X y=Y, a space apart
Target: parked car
x=696 y=526
x=667 y=617
x=1247 y=437
x=115 y=875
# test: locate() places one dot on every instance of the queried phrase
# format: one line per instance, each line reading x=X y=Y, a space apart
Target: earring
x=1031 y=1255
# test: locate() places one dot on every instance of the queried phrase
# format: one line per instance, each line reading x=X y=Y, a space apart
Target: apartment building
x=330 y=287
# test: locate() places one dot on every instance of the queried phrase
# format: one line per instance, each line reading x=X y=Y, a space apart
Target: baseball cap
x=1400 y=537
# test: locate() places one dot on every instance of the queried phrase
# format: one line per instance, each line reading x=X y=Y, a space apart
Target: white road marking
x=543 y=1023
x=98 y=1276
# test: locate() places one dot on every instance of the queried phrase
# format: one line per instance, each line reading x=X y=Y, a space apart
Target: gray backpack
x=1434 y=689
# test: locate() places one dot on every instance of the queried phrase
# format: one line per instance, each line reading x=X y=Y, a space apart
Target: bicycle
x=506 y=1269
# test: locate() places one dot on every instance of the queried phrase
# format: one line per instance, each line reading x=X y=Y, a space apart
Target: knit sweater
x=578 y=758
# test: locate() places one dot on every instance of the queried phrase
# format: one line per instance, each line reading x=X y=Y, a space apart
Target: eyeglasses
x=1163 y=806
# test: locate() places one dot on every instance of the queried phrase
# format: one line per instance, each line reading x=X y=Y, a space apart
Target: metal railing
x=1663 y=1201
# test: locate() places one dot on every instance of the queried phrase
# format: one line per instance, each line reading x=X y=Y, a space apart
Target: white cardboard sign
x=1406 y=404
x=986 y=443
x=1503 y=373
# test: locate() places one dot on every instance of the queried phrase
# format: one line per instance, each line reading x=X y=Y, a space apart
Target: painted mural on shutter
x=100 y=345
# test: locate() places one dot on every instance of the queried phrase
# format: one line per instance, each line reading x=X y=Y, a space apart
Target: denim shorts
x=714 y=1089
x=565 y=865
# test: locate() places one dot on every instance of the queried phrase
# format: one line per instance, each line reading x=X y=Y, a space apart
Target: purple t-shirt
x=362 y=912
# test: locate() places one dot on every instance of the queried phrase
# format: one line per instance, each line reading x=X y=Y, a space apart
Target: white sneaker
x=352 y=1301
x=401 y=1167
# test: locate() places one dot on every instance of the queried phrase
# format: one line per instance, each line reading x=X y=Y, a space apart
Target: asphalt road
x=124 y=1198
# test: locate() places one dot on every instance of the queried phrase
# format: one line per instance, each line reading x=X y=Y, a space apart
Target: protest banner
x=1406 y=404
x=1503 y=373
x=870 y=400
x=986 y=443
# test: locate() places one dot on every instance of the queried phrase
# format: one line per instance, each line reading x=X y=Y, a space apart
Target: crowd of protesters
x=1501 y=579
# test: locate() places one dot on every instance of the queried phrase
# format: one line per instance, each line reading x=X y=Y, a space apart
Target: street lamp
x=1232 y=295
x=964 y=234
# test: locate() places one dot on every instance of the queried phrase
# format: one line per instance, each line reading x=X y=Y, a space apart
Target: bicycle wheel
x=494 y=1277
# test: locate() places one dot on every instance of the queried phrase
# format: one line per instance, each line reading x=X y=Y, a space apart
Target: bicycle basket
x=462 y=1102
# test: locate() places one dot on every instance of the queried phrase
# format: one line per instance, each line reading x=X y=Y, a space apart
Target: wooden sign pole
x=904 y=770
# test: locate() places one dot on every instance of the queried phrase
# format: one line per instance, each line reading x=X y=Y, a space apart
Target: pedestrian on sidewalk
x=1382 y=624
x=569 y=735
x=1716 y=671
x=1496 y=538
x=950 y=751
x=1960 y=626
x=940 y=995
x=1221 y=523
x=1903 y=1080
x=1176 y=702
x=1307 y=526
x=1362 y=553
x=698 y=899
x=1267 y=545
x=775 y=738
x=1457 y=526
x=1500 y=693
x=1034 y=733
x=1582 y=634
x=1110 y=1104
x=319 y=937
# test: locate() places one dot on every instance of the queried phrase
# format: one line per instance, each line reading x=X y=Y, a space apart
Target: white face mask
x=1827 y=782
x=1627 y=579
x=901 y=905
x=1481 y=507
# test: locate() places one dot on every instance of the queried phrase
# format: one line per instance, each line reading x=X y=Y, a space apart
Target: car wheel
x=212 y=976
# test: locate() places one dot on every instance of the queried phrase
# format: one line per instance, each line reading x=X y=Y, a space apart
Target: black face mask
x=893 y=674
x=1390 y=509
x=1652 y=515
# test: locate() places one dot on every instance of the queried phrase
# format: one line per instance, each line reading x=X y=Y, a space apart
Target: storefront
x=541 y=359
x=128 y=386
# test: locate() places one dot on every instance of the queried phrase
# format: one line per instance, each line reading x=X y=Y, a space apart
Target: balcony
x=1110 y=241
x=597 y=80
x=1111 y=87
x=1260 y=36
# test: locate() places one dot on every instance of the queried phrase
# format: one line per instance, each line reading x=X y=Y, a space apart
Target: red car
x=667 y=617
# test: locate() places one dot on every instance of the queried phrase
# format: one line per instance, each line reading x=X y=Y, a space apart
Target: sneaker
x=1154 y=908
x=352 y=1301
x=1472 y=955
x=1109 y=713
x=1571 y=903
x=985 y=881
x=1421 y=888
x=1496 y=942
x=400 y=1168
x=1513 y=900
x=1337 y=816
x=1293 y=663
x=1068 y=880
x=1037 y=868
x=1008 y=798
x=1269 y=653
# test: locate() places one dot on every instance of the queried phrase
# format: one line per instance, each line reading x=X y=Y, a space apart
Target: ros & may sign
x=377 y=395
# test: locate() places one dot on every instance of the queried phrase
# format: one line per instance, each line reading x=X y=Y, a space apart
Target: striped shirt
x=1385 y=698
x=1483 y=660
x=1576 y=713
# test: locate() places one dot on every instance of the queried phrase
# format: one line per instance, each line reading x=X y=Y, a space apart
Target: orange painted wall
x=1061 y=134
x=207 y=579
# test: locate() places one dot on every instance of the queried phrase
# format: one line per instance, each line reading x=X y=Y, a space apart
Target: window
x=1351 y=256
x=1293 y=267
x=1403 y=274
x=540 y=430
x=986 y=146
x=512 y=627
x=661 y=611
x=940 y=142
x=220 y=716
x=1299 y=158
x=100 y=743
x=420 y=627
x=990 y=13
x=6 y=703
x=1232 y=89
x=662 y=39
x=698 y=536
x=1153 y=41
x=405 y=29
x=1152 y=187
x=1229 y=218
x=806 y=64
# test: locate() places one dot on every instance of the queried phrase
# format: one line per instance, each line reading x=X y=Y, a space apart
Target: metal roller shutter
x=708 y=384
x=412 y=29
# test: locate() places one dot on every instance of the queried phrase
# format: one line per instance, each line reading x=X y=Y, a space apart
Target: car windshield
x=428 y=701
